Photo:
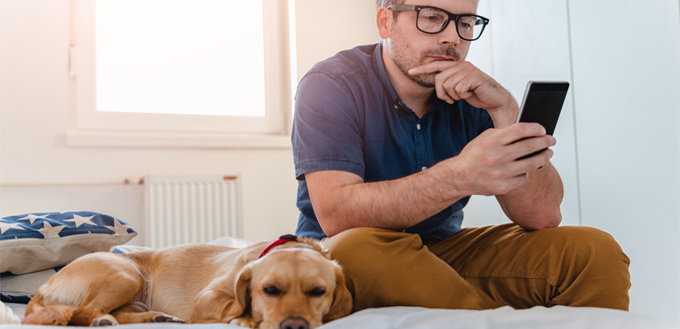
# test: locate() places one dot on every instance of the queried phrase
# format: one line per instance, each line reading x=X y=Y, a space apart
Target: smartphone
x=542 y=103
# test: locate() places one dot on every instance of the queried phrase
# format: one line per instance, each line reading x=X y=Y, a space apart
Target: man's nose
x=449 y=36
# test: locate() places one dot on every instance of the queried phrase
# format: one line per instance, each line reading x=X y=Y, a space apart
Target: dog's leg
x=120 y=285
x=55 y=315
x=133 y=313
x=96 y=311
x=244 y=322
x=85 y=316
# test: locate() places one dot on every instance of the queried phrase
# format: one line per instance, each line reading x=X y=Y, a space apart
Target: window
x=181 y=67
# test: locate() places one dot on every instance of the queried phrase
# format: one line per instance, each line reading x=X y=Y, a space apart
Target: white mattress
x=415 y=317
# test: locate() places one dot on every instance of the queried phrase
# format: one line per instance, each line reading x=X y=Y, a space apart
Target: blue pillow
x=39 y=241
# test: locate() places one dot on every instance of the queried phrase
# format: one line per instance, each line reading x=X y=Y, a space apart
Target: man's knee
x=366 y=254
x=366 y=244
x=592 y=260
x=592 y=244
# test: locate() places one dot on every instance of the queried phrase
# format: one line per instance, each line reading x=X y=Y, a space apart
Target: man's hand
x=489 y=164
x=456 y=80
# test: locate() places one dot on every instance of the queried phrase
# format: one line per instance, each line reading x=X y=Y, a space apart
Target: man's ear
x=242 y=288
x=384 y=22
x=342 y=299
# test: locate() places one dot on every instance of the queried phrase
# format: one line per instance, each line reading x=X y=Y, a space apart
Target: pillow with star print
x=39 y=241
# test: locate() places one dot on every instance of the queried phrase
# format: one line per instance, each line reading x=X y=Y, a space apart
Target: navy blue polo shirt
x=348 y=117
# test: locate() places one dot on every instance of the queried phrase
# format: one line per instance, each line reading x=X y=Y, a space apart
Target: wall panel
x=529 y=40
x=627 y=79
x=618 y=138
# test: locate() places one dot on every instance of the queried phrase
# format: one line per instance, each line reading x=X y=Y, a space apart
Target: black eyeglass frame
x=452 y=17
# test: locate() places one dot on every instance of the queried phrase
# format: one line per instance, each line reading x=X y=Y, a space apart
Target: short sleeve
x=326 y=127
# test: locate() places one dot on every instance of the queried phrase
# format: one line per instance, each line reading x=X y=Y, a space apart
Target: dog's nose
x=294 y=323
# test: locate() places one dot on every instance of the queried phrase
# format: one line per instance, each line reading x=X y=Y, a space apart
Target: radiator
x=188 y=209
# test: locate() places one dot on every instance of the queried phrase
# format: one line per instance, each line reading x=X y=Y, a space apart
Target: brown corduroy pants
x=483 y=268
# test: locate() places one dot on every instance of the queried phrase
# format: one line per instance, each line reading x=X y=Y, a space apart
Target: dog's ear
x=342 y=299
x=242 y=288
x=214 y=305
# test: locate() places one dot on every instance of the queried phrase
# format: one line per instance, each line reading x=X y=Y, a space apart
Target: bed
x=32 y=251
x=416 y=317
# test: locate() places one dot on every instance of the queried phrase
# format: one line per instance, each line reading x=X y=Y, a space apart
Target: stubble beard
x=405 y=58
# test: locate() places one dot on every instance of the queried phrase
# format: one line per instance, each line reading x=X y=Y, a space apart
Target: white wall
x=618 y=137
x=618 y=143
x=627 y=95
x=324 y=27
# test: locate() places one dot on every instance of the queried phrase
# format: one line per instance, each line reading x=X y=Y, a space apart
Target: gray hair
x=380 y=3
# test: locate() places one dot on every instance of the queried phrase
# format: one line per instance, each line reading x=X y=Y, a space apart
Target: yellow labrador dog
x=289 y=284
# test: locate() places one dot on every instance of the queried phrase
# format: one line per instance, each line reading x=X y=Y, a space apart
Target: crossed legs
x=482 y=268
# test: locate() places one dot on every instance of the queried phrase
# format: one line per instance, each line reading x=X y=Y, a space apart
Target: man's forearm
x=536 y=203
x=395 y=204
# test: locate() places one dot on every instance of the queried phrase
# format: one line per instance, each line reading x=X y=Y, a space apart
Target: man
x=390 y=140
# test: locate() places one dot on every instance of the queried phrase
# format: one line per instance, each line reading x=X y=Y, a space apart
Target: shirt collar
x=379 y=68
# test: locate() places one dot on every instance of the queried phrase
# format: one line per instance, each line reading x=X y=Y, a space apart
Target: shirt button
x=396 y=106
x=418 y=126
x=423 y=168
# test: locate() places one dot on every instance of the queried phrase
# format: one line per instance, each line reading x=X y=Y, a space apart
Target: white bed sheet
x=558 y=317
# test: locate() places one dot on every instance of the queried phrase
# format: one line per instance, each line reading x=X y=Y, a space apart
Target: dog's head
x=296 y=288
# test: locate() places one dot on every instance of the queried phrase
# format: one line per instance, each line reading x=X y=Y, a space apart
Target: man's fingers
x=531 y=148
x=531 y=161
x=464 y=86
x=454 y=84
x=443 y=92
x=446 y=98
x=521 y=130
x=425 y=69
x=433 y=67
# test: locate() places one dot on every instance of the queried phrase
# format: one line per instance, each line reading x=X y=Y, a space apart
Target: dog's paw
x=167 y=318
x=244 y=322
x=104 y=321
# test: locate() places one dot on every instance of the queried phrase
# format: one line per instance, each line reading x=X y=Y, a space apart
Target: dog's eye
x=272 y=291
x=316 y=292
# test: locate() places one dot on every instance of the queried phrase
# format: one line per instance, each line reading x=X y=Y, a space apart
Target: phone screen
x=542 y=103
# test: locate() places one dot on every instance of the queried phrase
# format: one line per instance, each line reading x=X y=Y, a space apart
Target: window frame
x=92 y=127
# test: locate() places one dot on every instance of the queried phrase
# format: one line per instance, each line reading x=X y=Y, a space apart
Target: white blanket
x=538 y=317
x=416 y=317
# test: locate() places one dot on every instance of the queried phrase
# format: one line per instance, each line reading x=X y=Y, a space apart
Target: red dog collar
x=282 y=239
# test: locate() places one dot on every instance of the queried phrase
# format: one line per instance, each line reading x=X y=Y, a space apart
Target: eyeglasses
x=432 y=20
